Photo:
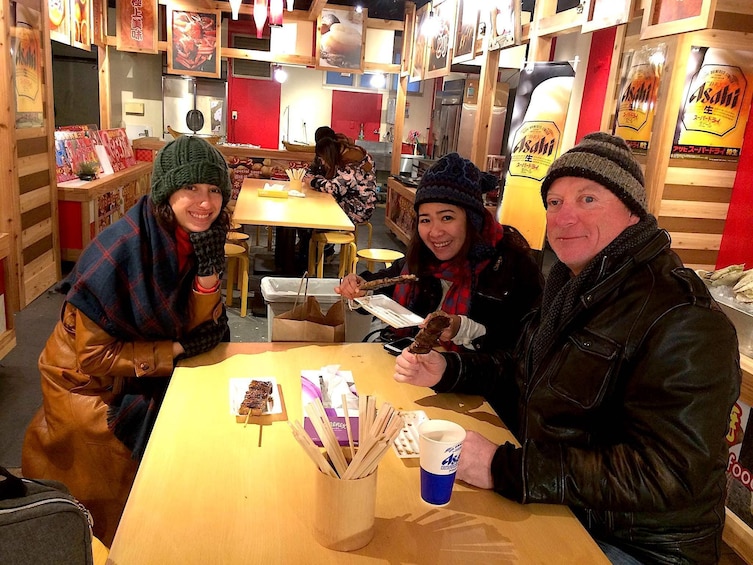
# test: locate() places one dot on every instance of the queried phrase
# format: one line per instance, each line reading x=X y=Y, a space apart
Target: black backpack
x=40 y=522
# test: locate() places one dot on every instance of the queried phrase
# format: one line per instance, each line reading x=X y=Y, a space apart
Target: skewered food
x=428 y=337
x=389 y=281
x=256 y=398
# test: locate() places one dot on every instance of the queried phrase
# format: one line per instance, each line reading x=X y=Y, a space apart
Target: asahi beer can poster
x=740 y=463
x=636 y=107
x=537 y=123
x=715 y=106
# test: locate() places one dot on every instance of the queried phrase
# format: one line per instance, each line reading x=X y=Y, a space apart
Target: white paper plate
x=406 y=443
x=389 y=311
x=238 y=388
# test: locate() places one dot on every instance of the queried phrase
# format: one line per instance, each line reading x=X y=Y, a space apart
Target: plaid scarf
x=563 y=291
x=128 y=282
x=461 y=272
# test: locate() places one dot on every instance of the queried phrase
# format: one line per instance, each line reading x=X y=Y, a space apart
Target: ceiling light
x=275 y=13
x=280 y=74
x=235 y=6
x=359 y=8
x=378 y=80
x=290 y=5
x=260 y=16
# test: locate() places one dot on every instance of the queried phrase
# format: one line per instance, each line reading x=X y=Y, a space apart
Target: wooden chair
x=371 y=232
x=237 y=258
x=319 y=239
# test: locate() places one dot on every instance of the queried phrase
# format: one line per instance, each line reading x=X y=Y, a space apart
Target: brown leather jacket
x=68 y=440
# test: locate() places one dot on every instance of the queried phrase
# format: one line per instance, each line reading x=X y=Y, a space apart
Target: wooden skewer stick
x=327 y=436
x=347 y=426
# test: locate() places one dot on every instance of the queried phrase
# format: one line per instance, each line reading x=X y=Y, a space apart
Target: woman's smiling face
x=442 y=228
x=196 y=206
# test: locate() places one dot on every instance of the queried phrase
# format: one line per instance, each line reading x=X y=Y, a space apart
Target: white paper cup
x=439 y=442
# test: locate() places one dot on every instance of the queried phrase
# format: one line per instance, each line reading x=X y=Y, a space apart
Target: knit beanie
x=188 y=160
x=455 y=180
x=607 y=160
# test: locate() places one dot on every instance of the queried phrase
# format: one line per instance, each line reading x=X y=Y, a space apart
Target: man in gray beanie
x=621 y=385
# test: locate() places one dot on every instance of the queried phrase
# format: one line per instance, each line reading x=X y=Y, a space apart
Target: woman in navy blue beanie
x=475 y=270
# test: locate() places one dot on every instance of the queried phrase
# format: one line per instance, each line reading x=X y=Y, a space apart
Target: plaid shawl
x=127 y=280
x=129 y=283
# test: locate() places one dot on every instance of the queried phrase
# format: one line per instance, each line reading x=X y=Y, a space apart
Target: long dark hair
x=328 y=151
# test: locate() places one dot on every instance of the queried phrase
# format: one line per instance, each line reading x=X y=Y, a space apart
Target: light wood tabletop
x=317 y=210
x=210 y=490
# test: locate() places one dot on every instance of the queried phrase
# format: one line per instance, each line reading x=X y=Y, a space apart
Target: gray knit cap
x=607 y=160
x=455 y=180
x=188 y=160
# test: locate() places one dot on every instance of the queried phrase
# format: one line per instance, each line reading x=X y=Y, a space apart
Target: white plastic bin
x=280 y=294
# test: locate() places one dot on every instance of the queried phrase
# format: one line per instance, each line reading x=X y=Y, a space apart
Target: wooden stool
x=237 y=256
x=238 y=238
x=347 y=251
x=371 y=231
x=270 y=231
x=386 y=256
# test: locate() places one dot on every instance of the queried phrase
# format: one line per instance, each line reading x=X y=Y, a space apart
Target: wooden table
x=318 y=210
x=210 y=490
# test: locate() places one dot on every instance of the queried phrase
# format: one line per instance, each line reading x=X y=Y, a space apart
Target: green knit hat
x=607 y=160
x=188 y=160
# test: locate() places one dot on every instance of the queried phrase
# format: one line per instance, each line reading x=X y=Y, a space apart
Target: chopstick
x=347 y=426
x=376 y=432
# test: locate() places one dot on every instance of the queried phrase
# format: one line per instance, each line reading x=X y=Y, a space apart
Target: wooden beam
x=103 y=62
x=487 y=88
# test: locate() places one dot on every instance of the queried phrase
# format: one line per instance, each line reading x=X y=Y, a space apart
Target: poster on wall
x=27 y=67
x=467 y=43
x=192 y=42
x=136 y=26
x=639 y=87
x=81 y=24
x=418 y=61
x=505 y=23
x=340 y=35
x=439 y=57
x=600 y=14
x=537 y=122
x=740 y=464
x=60 y=24
x=665 y=17
x=715 y=105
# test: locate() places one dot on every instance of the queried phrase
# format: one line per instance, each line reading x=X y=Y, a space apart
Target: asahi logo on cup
x=450 y=463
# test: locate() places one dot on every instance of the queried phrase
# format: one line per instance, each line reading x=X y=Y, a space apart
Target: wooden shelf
x=155 y=144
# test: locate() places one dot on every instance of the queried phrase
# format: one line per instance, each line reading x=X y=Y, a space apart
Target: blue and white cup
x=439 y=444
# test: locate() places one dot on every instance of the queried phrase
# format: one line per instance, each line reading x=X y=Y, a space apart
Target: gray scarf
x=562 y=291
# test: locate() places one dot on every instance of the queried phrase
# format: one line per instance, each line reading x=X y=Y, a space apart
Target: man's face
x=582 y=218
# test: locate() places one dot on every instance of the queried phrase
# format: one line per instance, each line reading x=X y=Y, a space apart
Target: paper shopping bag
x=307 y=322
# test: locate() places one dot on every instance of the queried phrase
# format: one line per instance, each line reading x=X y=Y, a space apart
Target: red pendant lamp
x=260 y=16
x=275 y=13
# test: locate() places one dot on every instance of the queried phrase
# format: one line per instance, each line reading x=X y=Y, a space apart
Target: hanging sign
x=715 y=106
x=639 y=88
x=538 y=120
x=136 y=26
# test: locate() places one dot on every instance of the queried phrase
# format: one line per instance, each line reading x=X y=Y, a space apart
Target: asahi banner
x=537 y=123
x=641 y=75
x=715 y=105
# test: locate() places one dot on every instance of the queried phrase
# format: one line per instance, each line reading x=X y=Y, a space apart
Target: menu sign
x=136 y=25
x=715 y=106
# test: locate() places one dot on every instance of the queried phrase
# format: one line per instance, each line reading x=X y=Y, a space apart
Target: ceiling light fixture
x=275 y=13
x=290 y=5
x=359 y=8
x=260 y=16
x=235 y=6
x=378 y=80
x=280 y=74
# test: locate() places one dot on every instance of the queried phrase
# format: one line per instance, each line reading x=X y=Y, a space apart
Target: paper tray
x=389 y=311
x=406 y=443
x=238 y=388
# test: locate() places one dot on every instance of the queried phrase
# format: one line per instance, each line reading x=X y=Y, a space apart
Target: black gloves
x=209 y=247
x=205 y=336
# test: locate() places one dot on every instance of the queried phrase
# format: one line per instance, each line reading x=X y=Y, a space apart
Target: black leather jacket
x=625 y=418
x=507 y=289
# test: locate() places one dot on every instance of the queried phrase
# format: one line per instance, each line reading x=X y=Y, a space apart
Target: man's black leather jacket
x=625 y=418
